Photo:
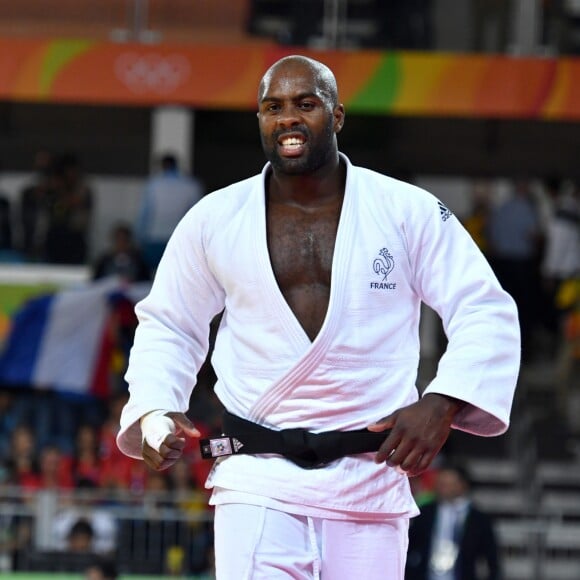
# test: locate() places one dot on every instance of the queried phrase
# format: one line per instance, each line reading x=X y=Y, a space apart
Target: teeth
x=291 y=141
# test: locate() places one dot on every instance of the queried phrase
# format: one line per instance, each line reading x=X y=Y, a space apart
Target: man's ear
x=338 y=118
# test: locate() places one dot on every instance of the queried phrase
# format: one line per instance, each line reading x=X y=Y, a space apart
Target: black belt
x=306 y=449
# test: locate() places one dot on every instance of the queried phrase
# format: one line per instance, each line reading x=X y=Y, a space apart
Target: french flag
x=65 y=340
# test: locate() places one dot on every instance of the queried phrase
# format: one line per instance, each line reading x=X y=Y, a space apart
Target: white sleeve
x=481 y=363
x=172 y=337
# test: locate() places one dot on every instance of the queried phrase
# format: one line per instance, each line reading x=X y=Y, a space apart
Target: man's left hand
x=418 y=432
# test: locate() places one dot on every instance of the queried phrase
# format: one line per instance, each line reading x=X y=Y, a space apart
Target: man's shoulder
x=234 y=191
x=229 y=199
x=389 y=184
x=395 y=195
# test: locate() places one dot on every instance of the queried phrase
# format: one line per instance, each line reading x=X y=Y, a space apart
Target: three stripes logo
x=444 y=211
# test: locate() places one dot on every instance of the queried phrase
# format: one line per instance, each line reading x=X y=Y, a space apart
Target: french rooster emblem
x=385 y=264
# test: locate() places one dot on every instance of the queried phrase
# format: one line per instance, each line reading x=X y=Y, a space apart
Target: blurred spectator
x=80 y=537
x=514 y=243
x=157 y=487
x=568 y=360
x=452 y=539
x=571 y=36
x=476 y=223
x=101 y=569
x=118 y=472
x=69 y=214
x=86 y=463
x=553 y=24
x=405 y=24
x=83 y=507
x=209 y=570
x=175 y=562
x=184 y=488
x=167 y=197
x=561 y=260
x=491 y=25
x=10 y=418
x=56 y=415
x=123 y=258
x=18 y=539
x=423 y=487
x=192 y=499
x=34 y=201
x=120 y=331
x=21 y=460
x=305 y=22
x=5 y=225
x=54 y=471
x=7 y=250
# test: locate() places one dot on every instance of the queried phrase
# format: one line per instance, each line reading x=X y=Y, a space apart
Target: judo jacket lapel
x=315 y=352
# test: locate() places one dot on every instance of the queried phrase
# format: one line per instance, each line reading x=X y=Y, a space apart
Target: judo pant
x=258 y=543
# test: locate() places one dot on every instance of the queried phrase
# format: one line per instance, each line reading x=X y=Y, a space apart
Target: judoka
x=320 y=268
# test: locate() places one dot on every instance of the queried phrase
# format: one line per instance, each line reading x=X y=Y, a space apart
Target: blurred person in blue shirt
x=168 y=195
x=514 y=236
x=453 y=539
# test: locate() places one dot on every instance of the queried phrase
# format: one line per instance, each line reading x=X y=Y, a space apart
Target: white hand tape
x=155 y=427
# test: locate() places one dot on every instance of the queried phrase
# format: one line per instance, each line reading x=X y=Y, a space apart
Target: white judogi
x=396 y=246
x=263 y=544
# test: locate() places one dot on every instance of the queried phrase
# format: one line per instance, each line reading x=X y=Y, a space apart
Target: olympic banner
x=227 y=76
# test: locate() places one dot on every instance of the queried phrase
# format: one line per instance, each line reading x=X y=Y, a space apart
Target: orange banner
x=226 y=77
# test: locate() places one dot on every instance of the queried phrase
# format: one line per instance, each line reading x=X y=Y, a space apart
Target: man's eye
x=273 y=108
x=307 y=106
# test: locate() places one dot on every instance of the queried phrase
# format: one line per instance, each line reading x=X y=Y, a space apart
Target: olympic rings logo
x=152 y=73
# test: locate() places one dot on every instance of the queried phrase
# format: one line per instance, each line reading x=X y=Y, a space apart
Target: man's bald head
x=322 y=76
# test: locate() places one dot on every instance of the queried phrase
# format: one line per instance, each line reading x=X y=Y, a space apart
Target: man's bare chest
x=301 y=244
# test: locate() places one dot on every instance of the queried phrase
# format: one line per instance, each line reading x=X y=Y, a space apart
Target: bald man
x=320 y=268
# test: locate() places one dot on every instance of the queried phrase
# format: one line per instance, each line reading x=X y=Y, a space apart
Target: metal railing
x=152 y=533
x=160 y=532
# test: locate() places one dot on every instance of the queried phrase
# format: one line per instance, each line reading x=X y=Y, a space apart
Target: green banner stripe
x=57 y=55
x=381 y=89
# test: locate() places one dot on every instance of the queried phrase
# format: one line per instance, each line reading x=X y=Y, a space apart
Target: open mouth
x=291 y=145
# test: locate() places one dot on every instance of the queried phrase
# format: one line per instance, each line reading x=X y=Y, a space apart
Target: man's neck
x=325 y=187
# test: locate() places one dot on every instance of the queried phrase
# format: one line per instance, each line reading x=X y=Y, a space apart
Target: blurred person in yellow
x=476 y=222
x=568 y=359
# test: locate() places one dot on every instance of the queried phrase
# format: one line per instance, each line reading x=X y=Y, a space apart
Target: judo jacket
x=396 y=247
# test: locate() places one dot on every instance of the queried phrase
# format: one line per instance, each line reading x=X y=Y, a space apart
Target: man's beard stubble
x=319 y=151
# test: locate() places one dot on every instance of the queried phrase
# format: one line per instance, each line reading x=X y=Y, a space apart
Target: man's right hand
x=171 y=448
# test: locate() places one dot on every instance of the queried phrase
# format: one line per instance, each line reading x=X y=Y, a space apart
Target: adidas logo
x=237 y=444
x=445 y=212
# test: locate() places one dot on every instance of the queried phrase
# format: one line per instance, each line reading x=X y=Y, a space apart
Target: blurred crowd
x=418 y=24
x=52 y=220
x=66 y=445
x=531 y=236
x=529 y=230
x=51 y=217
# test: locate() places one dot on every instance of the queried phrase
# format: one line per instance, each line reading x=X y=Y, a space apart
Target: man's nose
x=288 y=117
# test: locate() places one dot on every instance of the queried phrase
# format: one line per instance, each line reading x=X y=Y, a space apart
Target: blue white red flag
x=62 y=341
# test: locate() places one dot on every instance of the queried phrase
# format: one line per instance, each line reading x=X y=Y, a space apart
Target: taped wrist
x=155 y=427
